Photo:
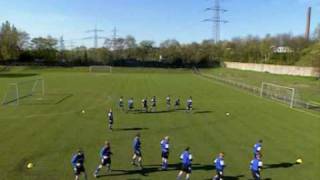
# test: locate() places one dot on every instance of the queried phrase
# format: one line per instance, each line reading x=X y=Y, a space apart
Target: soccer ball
x=299 y=161
x=227 y=114
x=83 y=111
x=29 y=165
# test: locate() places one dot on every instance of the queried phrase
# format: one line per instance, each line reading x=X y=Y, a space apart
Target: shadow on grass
x=149 y=169
x=131 y=129
x=64 y=98
x=47 y=99
x=140 y=111
x=16 y=75
x=202 y=112
x=230 y=177
x=279 y=165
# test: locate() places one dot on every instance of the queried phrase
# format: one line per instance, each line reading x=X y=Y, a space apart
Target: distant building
x=281 y=49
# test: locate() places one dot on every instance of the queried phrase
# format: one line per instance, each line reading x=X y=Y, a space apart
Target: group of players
x=145 y=105
x=186 y=160
x=186 y=156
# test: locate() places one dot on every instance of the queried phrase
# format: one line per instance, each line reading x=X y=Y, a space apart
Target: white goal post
x=100 y=69
x=278 y=92
x=23 y=89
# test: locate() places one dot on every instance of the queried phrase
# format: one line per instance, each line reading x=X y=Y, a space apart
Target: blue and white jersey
x=257 y=148
x=256 y=164
x=219 y=163
x=136 y=144
x=120 y=102
x=186 y=158
x=130 y=102
x=153 y=101
x=110 y=116
x=77 y=160
x=164 y=146
x=189 y=102
x=105 y=152
x=168 y=100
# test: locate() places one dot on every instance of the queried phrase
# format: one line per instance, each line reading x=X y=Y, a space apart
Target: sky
x=156 y=20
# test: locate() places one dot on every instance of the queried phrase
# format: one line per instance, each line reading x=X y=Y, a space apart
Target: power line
x=95 y=36
x=216 y=19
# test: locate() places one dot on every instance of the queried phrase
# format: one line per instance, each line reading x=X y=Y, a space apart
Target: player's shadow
x=149 y=169
x=230 y=177
x=279 y=165
x=203 y=112
x=154 y=112
x=131 y=129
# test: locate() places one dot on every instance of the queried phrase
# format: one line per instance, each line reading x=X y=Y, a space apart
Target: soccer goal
x=24 y=89
x=278 y=92
x=107 y=69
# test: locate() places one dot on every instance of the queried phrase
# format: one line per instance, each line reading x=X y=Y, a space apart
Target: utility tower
x=95 y=36
x=216 y=19
x=61 y=44
x=114 y=38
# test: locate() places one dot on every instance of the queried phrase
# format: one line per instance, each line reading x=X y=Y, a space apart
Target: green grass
x=47 y=134
x=308 y=88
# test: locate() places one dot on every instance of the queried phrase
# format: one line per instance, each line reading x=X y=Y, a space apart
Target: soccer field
x=48 y=131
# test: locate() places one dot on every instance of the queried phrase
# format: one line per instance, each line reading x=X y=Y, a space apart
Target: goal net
x=107 y=69
x=278 y=92
x=24 y=89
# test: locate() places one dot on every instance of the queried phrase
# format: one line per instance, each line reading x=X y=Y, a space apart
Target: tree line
x=16 y=46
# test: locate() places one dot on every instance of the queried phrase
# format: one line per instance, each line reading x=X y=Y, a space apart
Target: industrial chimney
x=307 y=33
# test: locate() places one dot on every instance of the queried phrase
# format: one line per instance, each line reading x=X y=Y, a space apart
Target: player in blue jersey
x=168 y=102
x=137 y=155
x=130 y=104
x=78 y=165
x=105 y=155
x=164 y=144
x=121 y=103
x=144 y=103
x=186 y=159
x=257 y=148
x=189 y=104
x=255 y=167
x=153 y=104
x=177 y=104
x=110 y=118
x=219 y=164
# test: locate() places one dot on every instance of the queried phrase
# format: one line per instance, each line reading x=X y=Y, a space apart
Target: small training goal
x=22 y=90
x=107 y=69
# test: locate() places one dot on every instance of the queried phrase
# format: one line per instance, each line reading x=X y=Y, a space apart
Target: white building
x=281 y=49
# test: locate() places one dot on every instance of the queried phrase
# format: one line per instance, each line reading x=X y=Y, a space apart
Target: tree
x=48 y=43
x=170 y=51
x=12 y=41
x=316 y=33
x=45 y=48
x=145 y=50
